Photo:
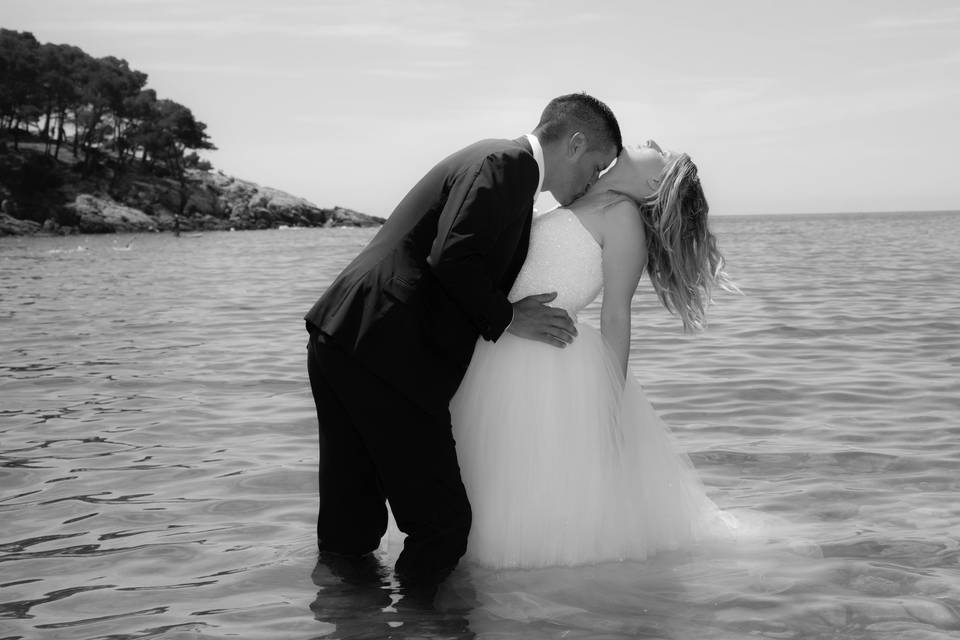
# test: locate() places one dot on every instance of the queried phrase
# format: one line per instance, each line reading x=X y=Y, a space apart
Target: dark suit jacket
x=435 y=277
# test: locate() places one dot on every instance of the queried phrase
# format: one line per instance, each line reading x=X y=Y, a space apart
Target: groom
x=392 y=336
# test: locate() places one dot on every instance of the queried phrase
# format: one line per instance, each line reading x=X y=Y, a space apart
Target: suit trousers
x=377 y=445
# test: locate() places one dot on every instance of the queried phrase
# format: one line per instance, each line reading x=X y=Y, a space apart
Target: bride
x=564 y=459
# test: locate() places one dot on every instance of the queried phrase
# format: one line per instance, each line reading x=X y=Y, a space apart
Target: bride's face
x=638 y=169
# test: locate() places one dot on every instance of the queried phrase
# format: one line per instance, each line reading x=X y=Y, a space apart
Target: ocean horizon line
x=837 y=213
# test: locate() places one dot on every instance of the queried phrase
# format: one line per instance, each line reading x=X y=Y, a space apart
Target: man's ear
x=576 y=145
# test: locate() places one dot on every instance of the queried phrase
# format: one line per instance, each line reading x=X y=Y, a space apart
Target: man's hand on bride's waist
x=534 y=320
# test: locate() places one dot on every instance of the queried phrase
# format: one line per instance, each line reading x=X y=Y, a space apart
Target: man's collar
x=538 y=156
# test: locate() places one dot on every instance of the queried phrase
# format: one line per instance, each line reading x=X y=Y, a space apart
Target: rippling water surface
x=158 y=446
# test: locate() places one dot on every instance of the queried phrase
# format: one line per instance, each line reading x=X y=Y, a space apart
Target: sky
x=786 y=107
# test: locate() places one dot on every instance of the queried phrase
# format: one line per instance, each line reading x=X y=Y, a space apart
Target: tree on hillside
x=109 y=84
x=98 y=105
x=130 y=125
x=165 y=133
x=59 y=66
x=19 y=70
x=166 y=129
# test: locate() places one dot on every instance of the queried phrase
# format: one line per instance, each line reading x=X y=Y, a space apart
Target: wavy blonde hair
x=683 y=261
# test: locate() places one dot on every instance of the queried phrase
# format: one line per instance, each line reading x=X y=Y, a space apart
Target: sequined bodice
x=563 y=257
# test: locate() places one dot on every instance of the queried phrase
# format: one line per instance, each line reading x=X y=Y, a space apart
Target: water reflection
x=361 y=598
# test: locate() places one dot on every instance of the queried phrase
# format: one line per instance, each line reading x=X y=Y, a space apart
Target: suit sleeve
x=482 y=203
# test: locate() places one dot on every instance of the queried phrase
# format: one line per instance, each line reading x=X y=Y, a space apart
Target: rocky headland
x=87 y=147
x=41 y=195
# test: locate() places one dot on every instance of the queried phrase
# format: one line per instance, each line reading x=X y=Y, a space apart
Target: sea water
x=158 y=446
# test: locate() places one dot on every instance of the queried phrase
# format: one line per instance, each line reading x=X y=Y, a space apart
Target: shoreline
x=191 y=233
x=42 y=195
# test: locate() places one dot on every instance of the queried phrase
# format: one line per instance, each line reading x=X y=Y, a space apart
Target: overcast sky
x=814 y=106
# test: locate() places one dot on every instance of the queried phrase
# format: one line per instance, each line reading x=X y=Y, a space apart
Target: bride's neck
x=603 y=197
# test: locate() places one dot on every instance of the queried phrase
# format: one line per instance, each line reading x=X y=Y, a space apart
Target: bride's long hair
x=683 y=261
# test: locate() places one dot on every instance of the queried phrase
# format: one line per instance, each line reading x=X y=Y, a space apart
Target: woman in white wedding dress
x=564 y=459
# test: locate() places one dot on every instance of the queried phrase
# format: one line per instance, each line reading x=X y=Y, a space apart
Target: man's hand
x=534 y=320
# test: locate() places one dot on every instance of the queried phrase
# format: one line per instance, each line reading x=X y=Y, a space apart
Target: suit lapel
x=523 y=241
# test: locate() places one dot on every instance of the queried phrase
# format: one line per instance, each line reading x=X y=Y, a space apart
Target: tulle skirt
x=567 y=463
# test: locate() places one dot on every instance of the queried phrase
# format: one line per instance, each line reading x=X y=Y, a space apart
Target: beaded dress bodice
x=563 y=257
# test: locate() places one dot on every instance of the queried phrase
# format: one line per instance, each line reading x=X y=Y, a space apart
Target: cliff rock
x=134 y=199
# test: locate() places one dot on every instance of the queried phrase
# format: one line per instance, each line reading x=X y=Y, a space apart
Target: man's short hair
x=580 y=112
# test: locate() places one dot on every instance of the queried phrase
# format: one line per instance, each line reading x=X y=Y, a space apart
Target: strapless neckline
x=576 y=219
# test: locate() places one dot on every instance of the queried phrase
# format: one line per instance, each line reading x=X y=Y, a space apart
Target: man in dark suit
x=391 y=338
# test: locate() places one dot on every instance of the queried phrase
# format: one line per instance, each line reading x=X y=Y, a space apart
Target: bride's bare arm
x=624 y=256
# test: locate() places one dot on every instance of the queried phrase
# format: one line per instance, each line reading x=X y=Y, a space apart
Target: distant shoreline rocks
x=140 y=201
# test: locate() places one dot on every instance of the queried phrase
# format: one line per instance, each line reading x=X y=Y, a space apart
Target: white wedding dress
x=564 y=461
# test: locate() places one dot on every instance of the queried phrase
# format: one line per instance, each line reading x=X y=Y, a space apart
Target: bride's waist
x=573 y=308
x=583 y=327
x=587 y=343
